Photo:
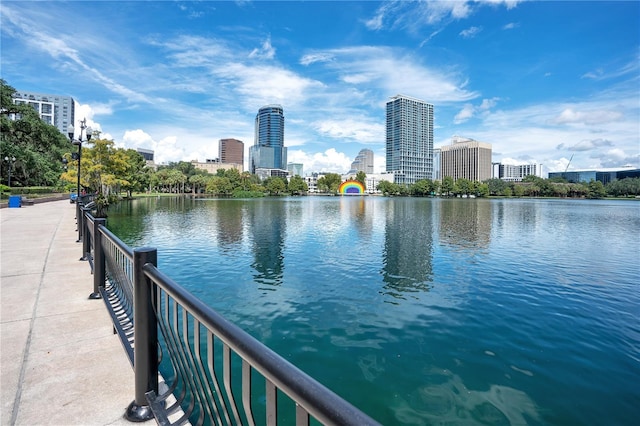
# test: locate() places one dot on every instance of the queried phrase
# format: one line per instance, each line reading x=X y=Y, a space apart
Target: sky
x=552 y=83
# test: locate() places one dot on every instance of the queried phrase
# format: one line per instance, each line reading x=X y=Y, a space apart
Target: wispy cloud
x=470 y=32
x=411 y=16
x=469 y=111
x=392 y=71
x=266 y=51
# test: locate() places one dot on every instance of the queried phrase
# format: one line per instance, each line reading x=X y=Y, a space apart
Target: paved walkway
x=61 y=364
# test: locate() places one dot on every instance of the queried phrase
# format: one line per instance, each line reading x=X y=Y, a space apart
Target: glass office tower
x=268 y=151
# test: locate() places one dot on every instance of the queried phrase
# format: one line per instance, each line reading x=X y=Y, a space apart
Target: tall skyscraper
x=409 y=139
x=53 y=109
x=268 y=151
x=466 y=158
x=231 y=151
x=363 y=162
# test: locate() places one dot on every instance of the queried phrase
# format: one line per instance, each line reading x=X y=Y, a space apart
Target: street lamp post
x=78 y=156
x=71 y=131
x=10 y=162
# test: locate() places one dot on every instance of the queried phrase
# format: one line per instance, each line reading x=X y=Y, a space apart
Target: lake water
x=424 y=311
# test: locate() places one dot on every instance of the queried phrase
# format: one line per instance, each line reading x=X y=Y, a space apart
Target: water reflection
x=446 y=400
x=267 y=225
x=230 y=220
x=358 y=214
x=465 y=223
x=408 y=244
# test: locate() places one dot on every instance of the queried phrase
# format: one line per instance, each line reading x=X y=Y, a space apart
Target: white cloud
x=586 y=145
x=327 y=161
x=379 y=68
x=165 y=150
x=469 y=110
x=587 y=117
x=414 y=15
x=316 y=57
x=266 y=51
x=470 y=32
x=360 y=129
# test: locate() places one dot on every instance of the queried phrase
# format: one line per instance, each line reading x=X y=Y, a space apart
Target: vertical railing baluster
x=226 y=373
x=302 y=416
x=246 y=392
x=272 y=403
x=145 y=328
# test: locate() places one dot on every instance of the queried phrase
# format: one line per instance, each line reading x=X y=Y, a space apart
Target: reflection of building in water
x=267 y=222
x=408 y=244
x=229 y=222
x=465 y=222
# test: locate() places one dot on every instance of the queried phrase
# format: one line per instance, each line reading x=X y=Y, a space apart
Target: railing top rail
x=318 y=400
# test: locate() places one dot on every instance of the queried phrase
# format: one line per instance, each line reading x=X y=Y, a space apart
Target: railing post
x=145 y=350
x=99 y=271
x=86 y=242
x=79 y=215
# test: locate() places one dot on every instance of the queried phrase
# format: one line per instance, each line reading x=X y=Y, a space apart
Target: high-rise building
x=53 y=109
x=409 y=139
x=363 y=162
x=466 y=158
x=268 y=151
x=231 y=151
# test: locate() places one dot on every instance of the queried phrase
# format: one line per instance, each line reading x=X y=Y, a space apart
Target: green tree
x=465 y=186
x=496 y=186
x=422 y=188
x=481 y=189
x=297 y=185
x=623 y=187
x=199 y=181
x=219 y=186
x=596 y=189
x=330 y=182
x=37 y=146
x=275 y=185
x=136 y=173
x=447 y=186
x=361 y=177
x=518 y=191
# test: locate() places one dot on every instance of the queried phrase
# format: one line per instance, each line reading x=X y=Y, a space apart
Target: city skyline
x=542 y=82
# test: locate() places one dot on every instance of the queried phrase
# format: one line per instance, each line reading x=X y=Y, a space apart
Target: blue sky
x=540 y=81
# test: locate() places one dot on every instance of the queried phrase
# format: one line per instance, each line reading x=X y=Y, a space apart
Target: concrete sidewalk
x=61 y=364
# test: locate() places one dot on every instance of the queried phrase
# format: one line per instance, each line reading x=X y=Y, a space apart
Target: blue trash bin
x=15 y=201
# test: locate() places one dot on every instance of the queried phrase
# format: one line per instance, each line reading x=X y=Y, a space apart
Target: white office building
x=409 y=139
x=56 y=110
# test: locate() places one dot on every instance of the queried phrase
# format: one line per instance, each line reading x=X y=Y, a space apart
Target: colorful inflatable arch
x=351 y=187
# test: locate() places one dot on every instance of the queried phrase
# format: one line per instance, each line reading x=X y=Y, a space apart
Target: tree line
x=531 y=186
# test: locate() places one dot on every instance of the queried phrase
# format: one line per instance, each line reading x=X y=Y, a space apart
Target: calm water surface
x=424 y=311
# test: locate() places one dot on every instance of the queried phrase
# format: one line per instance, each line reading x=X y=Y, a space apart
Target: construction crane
x=567 y=168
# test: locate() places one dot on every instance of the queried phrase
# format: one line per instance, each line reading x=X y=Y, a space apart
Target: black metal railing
x=216 y=373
